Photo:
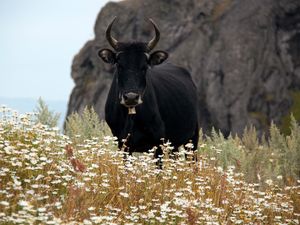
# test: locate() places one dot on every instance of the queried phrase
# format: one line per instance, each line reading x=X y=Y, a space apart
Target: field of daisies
x=81 y=177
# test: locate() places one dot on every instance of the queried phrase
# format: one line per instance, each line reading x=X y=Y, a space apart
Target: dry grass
x=45 y=178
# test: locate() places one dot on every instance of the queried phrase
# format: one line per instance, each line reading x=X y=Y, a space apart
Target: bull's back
x=177 y=101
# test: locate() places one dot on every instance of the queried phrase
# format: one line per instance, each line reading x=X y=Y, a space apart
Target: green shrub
x=85 y=126
x=276 y=159
x=226 y=152
x=44 y=115
x=294 y=110
x=286 y=150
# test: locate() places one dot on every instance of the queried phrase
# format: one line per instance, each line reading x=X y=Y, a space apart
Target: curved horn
x=155 y=40
x=113 y=42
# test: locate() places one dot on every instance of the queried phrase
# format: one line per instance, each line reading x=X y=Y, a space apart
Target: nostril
x=125 y=97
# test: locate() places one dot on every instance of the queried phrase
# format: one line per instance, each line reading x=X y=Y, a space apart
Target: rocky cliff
x=244 y=56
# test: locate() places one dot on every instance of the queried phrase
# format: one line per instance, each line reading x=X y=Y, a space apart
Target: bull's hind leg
x=195 y=138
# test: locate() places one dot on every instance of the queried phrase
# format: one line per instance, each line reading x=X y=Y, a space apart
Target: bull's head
x=132 y=61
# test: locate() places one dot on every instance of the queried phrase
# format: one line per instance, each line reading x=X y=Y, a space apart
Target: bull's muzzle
x=131 y=99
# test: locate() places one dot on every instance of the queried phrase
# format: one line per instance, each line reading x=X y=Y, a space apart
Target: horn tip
x=113 y=42
x=113 y=20
x=153 y=23
x=151 y=20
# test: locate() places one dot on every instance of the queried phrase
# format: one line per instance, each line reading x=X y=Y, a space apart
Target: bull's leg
x=174 y=153
x=159 y=155
x=123 y=146
x=194 y=140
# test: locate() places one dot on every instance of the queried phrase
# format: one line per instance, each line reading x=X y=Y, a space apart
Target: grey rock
x=244 y=56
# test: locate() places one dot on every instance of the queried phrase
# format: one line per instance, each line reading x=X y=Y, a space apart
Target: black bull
x=149 y=101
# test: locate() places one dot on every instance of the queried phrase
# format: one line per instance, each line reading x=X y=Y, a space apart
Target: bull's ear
x=107 y=55
x=157 y=57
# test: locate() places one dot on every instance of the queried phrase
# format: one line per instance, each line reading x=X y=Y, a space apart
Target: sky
x=38 y=40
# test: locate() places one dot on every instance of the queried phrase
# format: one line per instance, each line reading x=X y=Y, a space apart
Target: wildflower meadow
x=81 y=177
